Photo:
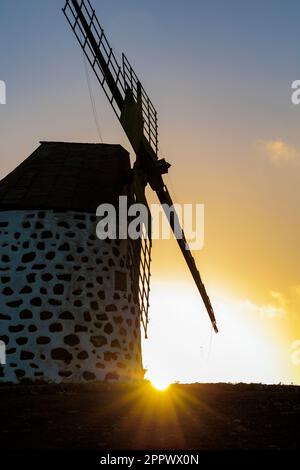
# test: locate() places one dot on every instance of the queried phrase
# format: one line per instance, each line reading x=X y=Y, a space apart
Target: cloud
x=279 y=297
x=271 y=311
x=278 y=151
x=268 y=311
x=296 y=289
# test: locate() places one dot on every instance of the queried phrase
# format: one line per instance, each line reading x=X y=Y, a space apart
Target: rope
x=93 y=103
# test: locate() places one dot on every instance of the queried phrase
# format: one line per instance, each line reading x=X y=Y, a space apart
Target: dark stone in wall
x=4 y=339
x=4 y=317
x=58 y=289
x=64 y=277
x=54 y=302
x=46 y=315
x=87 y=317
x=15 y=303
x=39 y=267
x=83 y=355
x=26 y=290
x=81 y=329
x=11 y=351
x=21 y=341
x=102 y=317
x=26 y=355
x=16 y=328
x=36 y=301
x=71 y=340
x=31 y=277
x=77 y=292
x=43 y=340
x=98 y=341
x=65 y=373
x=20 y=373
x=47 y=234
x=111 y=308
x=64 y=247
x=116 y=344
x=7 y=291
x=108 y=328
x=99 y=365
x=94 y=305
x=88 y=376
x=47 y=277
x=61 y=354
x=110 y=356
x=32 y=328
x=66 y=316
x=28 y=257
x=112 y=376
x=25 y=314
x=55 y=327
x=63 y=224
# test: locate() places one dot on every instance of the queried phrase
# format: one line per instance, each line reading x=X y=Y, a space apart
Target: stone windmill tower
x=71 y=305
x=68 y=306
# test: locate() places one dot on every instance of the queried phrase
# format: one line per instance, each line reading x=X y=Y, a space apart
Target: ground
x=196 y=416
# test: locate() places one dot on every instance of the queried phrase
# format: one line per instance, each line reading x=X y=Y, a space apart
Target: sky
x=220 y=75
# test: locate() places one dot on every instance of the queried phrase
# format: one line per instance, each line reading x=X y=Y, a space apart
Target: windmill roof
x=67 y=176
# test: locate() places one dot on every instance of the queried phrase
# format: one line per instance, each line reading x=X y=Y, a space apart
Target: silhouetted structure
x=136 y=114
x=71 y=304
x=69 y=308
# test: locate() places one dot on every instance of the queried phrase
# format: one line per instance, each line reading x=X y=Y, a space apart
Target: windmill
x=138 y=118
x=71 y=304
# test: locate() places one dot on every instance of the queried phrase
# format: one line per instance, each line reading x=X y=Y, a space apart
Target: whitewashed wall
x=66 y=307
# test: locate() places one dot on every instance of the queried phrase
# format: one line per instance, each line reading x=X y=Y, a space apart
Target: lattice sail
x=139 y=263
x=150 y=122
x=92 y=39
x=114 y=79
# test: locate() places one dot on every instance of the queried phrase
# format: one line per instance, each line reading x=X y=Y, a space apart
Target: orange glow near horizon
x=250 y=346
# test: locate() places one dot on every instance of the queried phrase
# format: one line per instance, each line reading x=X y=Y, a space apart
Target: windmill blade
x=140 y=249
x=83 y=20
x=149 y=113
x=135 y=112
x=122 y=87
x=166 y=202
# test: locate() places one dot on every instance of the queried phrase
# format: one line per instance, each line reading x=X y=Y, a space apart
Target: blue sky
x=206 y=59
